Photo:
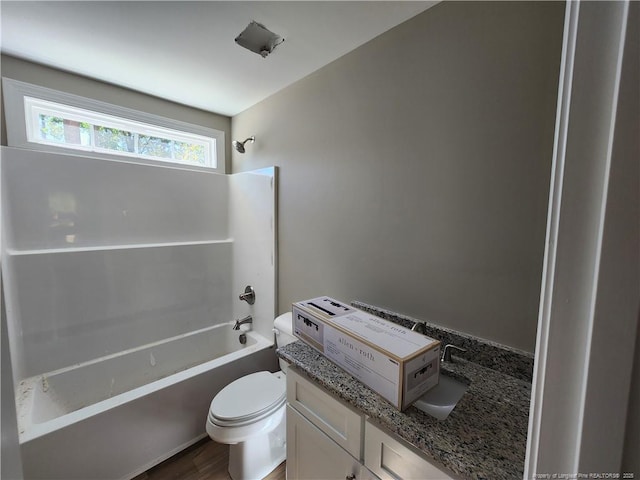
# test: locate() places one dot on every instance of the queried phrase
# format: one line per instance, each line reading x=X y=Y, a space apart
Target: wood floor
x=206 y=460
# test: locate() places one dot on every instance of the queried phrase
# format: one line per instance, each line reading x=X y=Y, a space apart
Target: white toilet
x=249 y=414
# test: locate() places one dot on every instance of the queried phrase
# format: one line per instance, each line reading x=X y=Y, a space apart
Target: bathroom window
x=41 y=118
x=52 y=123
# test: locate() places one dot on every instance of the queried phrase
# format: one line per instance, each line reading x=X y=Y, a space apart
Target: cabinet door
x=341 y=422
x=391 y=459
x=313 y=455
x=366 y=474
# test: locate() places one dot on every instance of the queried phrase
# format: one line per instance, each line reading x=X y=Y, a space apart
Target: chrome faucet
x=420 y=327
x=446 y=353
x=242 y=321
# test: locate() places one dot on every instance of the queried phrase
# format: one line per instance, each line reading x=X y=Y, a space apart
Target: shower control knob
x=350 y=477
x=249 y=295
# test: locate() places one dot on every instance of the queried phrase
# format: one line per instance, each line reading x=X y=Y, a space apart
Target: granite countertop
x=484 y=437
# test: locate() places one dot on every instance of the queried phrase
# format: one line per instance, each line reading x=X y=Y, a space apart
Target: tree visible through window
x=81 y=129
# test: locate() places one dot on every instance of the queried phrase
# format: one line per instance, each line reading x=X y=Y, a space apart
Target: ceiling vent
x=257 y=38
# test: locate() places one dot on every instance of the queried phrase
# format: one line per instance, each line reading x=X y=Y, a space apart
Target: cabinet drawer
x=339 y=421
x=392 y=459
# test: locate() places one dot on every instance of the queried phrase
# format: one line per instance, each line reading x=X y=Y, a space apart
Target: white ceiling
x=185 y=51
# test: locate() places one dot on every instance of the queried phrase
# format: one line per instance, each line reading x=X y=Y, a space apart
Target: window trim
x=14 y=92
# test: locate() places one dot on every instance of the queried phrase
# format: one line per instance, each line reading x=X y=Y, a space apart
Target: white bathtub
x=116 y=416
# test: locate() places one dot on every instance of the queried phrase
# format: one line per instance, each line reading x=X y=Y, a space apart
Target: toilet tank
x=284 y=334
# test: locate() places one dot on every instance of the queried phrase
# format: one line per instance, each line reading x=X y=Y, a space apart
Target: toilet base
x=256 y=457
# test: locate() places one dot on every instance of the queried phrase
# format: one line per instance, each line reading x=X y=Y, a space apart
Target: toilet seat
x=248 y=399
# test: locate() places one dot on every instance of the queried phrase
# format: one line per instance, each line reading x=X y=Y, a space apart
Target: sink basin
x=442 y=399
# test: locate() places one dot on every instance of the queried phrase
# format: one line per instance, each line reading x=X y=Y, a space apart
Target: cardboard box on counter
x=398 y=364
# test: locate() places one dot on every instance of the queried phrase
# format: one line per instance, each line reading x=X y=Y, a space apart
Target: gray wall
x=66 y=82
x=629 y=92
x=415 y=170
x=630 y=457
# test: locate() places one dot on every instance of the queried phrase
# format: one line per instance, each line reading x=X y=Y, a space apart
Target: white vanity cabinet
x=328 y=439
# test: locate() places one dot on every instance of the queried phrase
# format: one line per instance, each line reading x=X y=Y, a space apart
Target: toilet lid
x=248 y=397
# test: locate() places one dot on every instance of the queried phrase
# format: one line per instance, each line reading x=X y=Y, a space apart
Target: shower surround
x=121 y=283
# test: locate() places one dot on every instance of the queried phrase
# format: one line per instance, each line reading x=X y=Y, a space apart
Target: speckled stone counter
x=484 y=437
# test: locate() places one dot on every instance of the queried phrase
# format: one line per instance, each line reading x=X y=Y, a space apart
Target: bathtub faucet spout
x=242 y=321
